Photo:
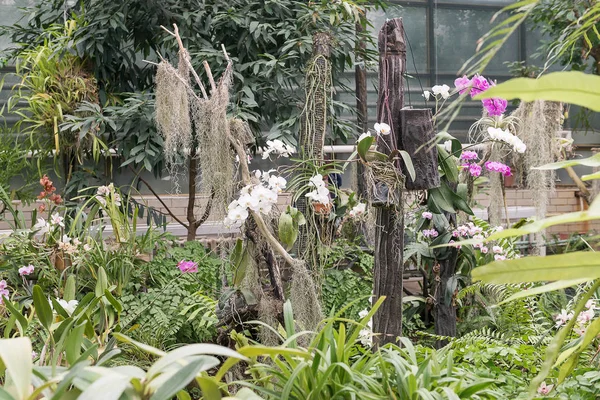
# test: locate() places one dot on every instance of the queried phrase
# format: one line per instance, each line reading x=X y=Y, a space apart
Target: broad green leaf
x=69 y=292
x=591 y=177
x=408 y=164
x=73 y=344
x=141 y=346
x=476 y=387
x=101 y=283
x=4 y=395
x=441 y=201
x=22 y=321
x=593 y=161
x=572 y=87
x=259 y=350
x=210 y=388
x=183 y=376
x=550 y=287
x=113 y=301
x=447 y=163
x=16 y=357
x=191 y=350
x=570 y=266
x=42 y=307
x=363 y=146
x=286 y=231
x=108 y=387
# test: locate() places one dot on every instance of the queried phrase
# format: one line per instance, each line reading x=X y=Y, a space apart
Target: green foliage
x=165 y=307
x=270 y=45
x=572 y=27
x=167 y=377
x=348 y=277
x=53 y=84
x=16 y=169
x=334 y=365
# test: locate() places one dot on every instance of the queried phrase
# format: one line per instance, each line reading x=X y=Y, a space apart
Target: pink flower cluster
x=430 y=233
x=583 y=319
x=427 y=215
x=470 y=230
x=469 y=155
x=187 y=266
x=3 y=291
x=479 y=84
x=474 y=169
x=26 y=270
x=494 y=166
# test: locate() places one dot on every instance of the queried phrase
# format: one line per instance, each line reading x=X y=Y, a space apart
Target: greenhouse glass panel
x=9 y=14
x=456 y=34
x=415 y=26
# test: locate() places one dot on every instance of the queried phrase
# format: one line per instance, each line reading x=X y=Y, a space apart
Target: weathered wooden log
x=389 y=235
x=416 y=138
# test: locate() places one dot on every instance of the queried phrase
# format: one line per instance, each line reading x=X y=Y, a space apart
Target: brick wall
x=565 y=200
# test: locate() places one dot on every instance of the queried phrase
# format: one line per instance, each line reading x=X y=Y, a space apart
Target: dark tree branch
x=145 y=182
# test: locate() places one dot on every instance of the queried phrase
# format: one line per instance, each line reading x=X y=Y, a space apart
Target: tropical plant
x=269 y=59
x=167 y=377
x=572 y=29
x=334 y=364
x=53 y=83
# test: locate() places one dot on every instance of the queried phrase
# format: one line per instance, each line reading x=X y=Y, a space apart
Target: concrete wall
x=519 y=203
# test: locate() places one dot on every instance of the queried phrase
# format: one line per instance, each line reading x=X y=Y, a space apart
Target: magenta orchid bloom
x=495 y=107
x=187 y=266
x=498 y=167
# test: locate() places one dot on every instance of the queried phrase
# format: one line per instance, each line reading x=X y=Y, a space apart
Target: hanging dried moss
x=214 y=152
x=196 y=127
x=304 y=298
x=173 y=109
x=540 y=123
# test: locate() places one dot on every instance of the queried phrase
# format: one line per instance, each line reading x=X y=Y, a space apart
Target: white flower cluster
x=105 y=192
x=42 y=226
x=382 y=128
x=277 y=147
x=507 y=137
x=320 y=194
x=366 y=334
x=70 y=246
x=68 y=306
x=438 y=90
x=357 y=210
x=258 y=198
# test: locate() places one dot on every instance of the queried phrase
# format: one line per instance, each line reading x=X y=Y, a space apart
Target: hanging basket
x=416 y=138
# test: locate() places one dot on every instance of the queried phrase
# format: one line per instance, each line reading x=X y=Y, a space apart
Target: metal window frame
x=431 y=6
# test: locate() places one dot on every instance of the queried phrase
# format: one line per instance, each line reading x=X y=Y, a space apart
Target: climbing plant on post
x=312 y=140
x=386 y=185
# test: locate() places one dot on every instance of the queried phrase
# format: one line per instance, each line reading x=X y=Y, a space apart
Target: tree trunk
x=191 y=219
x=362 y=118
x=388 y=271
x=445 y=306
x=389 y=236
x=445 y=314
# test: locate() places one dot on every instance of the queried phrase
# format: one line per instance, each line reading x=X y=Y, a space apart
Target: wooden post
x=389 y=236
